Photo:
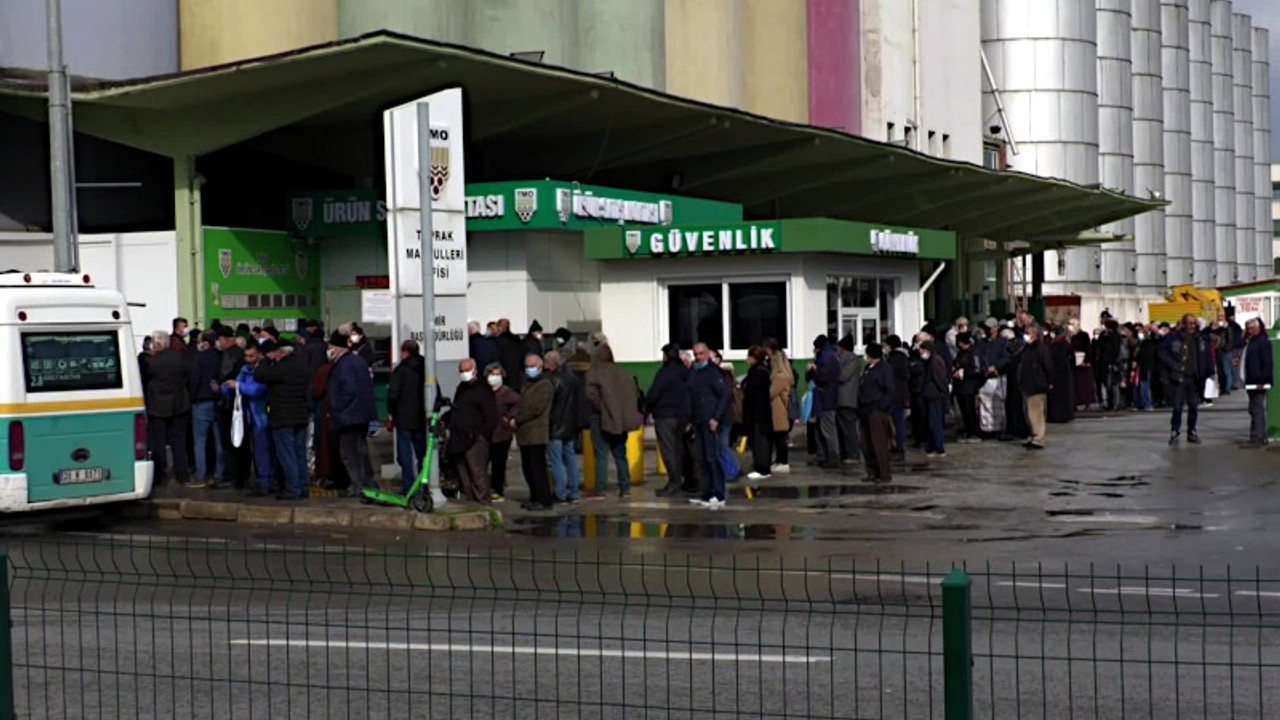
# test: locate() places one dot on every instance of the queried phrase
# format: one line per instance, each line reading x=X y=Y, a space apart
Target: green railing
x=162 y=628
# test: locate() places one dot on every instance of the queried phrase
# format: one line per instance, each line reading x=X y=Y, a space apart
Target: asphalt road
x=1112 y=577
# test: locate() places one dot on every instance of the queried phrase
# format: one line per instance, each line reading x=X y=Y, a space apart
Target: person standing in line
x=847 y=400
x=936 y=393
x=253 y=398
x=235 y=460
x=824 y=373
x=1187 y=360
x=709 y=399
x=406 y=408
x=757 y=416
x=613 y=397
x=510 y=355
x=567 y=422
x=500 y=446
x=1259 y=371
x=472 y=421
x=168 y=405
x=533 y=431
x=532 y=342
x=1145 y=361
x=202 y=386
x=481 y=347
x=351 y=409
x=899 y=363
x=876 y=400
x=782 y=409
x=285 y=378
x=968 y=378
x=668 y=403
x=1035 y=378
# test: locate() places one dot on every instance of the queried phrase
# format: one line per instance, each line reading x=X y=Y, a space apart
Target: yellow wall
x=704 y=50
x=212 y=32
x=775 y=59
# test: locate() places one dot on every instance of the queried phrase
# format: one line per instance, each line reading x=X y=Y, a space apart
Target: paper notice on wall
x=377 y=307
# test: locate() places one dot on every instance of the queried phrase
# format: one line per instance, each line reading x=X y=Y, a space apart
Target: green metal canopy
x=526 y=120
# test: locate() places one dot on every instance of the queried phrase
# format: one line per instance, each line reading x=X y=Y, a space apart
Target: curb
x=361 y=517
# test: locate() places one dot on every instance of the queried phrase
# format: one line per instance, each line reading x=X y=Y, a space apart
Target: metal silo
x=1224 y=168
x=1176 y=63
x=1242 y=77
x=1148 y=144
x=1262 y=153
x=1044 y=58
x=1115 y=131
x=1202 y=201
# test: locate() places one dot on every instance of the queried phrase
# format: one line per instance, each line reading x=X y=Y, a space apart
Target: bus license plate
x=77 y=476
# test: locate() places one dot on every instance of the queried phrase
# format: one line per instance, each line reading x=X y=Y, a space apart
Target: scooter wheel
x=422 y=501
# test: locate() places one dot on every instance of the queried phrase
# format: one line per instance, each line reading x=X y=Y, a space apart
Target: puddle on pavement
x=805 y=492
x=599 y=527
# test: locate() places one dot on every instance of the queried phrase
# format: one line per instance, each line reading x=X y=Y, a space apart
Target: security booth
x=733 y=285
x=1254 y=300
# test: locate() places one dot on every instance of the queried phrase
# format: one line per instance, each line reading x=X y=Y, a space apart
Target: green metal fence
x=165 y=628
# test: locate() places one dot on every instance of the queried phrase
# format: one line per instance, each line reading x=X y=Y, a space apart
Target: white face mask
x=355 y=338
x=468 y=376
x=1141 y=336
x=495 y=380
x=1026 y=338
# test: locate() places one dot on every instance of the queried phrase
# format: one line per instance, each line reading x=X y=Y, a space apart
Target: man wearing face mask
x=709 y=398
x=406 y=407
x=1035 y=378
x=1146 y=357
x=351 y=409
x=471 y=424
x=1259 y=372
x=533 y=432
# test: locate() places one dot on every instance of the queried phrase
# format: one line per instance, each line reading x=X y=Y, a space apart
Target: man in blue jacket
x=202 y=386
x=1259 y=371
x=253 y=406
x=1187 y=362
x=709 y=397
x=824 y=373
x=668 y=403
x=351 y=409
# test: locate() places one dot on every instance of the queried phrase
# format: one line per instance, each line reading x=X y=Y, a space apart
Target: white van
x=73 y=425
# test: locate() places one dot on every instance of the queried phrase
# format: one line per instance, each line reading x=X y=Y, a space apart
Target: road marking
x=1021 y=583
x=879 y=577
x=1160 y=592
x=1259 y=593
x=556 y=651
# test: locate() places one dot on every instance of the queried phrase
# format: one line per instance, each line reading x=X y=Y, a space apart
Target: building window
x=993 y=157
x=1275 y=191
x=863 y=307
x=750 y=311
x=1276 y=269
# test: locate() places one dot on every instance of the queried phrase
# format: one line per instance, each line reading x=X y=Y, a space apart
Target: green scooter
x=419 y=495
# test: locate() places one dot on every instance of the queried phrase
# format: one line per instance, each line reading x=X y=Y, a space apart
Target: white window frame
x=664 y=298
x=895 y=312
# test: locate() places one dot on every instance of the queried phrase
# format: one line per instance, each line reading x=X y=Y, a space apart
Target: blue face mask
x=531 y=372
x=701 y=365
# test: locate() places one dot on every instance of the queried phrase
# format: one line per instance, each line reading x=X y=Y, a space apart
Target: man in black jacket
x=568 y=419
x=234 y=459
x=287 y=414
x=202 y=386
x=406 y=406
x=1034 y=379
x=168 y=407
x=510 y=355
x=1259 y=372
x=471 y=424
x=668 y=403
x=900 y=365
x=709 y=398
x=876 y=398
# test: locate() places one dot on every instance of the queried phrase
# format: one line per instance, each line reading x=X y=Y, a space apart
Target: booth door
x=863 y=325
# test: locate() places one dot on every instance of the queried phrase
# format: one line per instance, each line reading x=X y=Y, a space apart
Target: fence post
x=957 y=646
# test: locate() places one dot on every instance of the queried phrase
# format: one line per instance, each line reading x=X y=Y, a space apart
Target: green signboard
x=255 y=275
x=768 y=238
x=336 y=214
x=555 y=205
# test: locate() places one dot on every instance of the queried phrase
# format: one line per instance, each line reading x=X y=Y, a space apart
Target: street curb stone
x=384 y=520
x=322 y=517
x=265 y=515
x=431 y=522
x=471 y=521
x=199 y=510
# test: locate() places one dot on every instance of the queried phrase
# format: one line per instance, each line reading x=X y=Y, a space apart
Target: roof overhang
x=526 y=119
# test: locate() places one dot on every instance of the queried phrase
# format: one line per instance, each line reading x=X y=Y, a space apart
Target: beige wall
x=212 y=32
x=704 y=50
x=775 y=53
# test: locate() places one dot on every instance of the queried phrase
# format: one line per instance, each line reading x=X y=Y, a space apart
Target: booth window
x=749 y=311
x=862 y=307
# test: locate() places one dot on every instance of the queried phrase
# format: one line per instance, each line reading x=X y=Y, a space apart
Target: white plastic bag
x=237 y=421
x=1211 y=389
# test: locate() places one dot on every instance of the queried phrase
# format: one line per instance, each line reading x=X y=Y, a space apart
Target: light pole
x=65 y=255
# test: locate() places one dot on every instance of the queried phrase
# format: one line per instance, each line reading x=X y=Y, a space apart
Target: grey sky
x=1266 y=13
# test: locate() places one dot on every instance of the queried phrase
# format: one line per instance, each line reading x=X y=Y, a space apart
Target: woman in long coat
x=1062 y=407
x=1082 y=367
x=782 y=382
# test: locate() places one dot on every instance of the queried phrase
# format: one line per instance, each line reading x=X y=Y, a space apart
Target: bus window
x=67 y=361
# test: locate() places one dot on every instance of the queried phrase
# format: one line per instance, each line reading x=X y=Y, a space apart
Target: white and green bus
x=73 y=427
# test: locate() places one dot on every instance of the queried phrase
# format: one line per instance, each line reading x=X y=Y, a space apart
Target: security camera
x=995 y=129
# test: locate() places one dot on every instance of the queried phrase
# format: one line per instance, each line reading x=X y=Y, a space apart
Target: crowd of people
x=277 y=413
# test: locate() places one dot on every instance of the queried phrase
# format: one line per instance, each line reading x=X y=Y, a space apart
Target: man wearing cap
x=824 y=373
x=253 y=398
x=351 y=409
x=875 y=402
x=287 y=413
x=847 y=400
x=668 y=403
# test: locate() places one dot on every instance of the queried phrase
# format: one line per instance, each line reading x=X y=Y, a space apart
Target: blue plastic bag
x=806 y=405
x=728 y=463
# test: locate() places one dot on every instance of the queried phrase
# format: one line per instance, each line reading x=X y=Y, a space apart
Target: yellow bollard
x=635 y=459
x=662 y=467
